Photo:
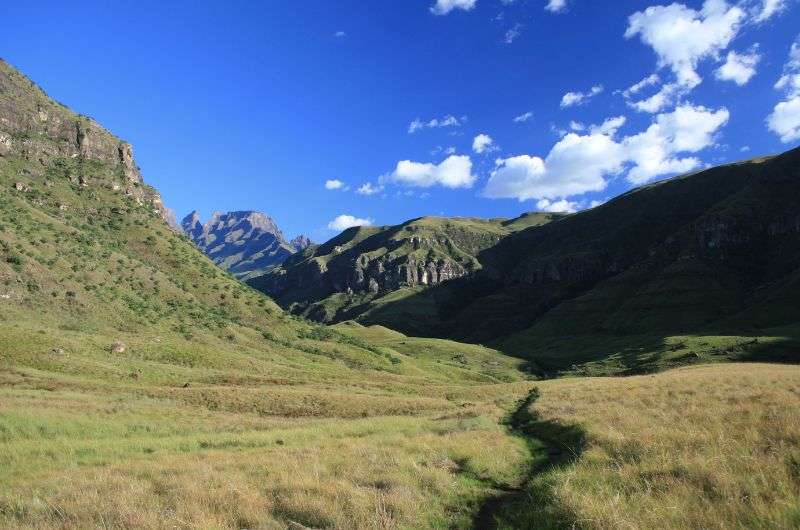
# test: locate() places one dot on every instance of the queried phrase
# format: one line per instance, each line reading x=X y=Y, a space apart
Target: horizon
x=307 y=107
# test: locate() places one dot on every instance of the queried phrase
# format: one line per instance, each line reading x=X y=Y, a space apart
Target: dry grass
x=702 y=447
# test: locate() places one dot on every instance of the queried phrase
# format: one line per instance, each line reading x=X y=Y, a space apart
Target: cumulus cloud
x=681 y=36
x=522 y=118
x=739 y=67
x=454 y=172
x=447 y=121
x=556 y=6
x=572 y=99
x=344 y=221
x=334 y=184
x=340 y=34
x=668 y=94
x=785 y=117
x=687 y=129
x=579 y=164
x=443 y=7
x=562 y=206
x=483 y=143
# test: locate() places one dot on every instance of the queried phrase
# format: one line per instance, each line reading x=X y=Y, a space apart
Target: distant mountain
x=245 y=243
x=356 y=273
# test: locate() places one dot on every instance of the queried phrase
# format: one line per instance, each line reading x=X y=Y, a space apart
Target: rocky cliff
x=42 y=133
x=245 y=243
x=372 y=262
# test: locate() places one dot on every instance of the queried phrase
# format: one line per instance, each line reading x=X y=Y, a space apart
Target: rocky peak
x=301 y=243
x=192 y=226
x=246 y=243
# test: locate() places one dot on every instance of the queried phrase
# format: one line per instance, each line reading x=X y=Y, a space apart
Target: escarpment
x=50 y=141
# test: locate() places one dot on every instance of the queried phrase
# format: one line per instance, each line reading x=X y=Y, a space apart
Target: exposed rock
x=118 y=347
x=300 y=243
x=244 y=243
x=35 y=128
x=21 y=186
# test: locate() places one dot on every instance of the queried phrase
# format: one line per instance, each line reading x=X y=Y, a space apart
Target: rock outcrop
x=36 y=129
x=375 y=261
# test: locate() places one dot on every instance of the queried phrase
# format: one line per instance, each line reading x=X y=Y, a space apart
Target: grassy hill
x=367 y=273
x=699 y=268
x=139 y=381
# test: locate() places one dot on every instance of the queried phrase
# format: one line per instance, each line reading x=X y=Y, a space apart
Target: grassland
x=714 y=446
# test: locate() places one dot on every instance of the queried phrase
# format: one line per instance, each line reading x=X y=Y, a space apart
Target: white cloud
x=687 y=129
x=340 y=34
x=785 y=120
x=453 y=172
x=571 y=99
x=556 y=6
x=483 y=143
x=739 y=67
x=577 y=126
x=512 y=34
x=668 y=94
x=562 y=206
x=652 y=79
x=522 y=118
x=682 y=37
x=785 y=117
x=609 y=127
x=579 y=164
x=334 y=184
x=768 y=9
x=443 y=7
x=369 y=189
x=447 y=121
x=344 y=221
x=745 y=149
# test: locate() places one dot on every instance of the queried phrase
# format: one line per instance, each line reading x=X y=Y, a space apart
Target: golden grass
x=701 y=447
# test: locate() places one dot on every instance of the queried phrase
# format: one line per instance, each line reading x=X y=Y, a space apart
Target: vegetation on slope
x=142 y=386
x=364 y=270
x=699 y=268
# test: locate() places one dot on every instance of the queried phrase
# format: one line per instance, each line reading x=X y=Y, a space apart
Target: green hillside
x=137 y=378
x=367 y=273
x=698 y=268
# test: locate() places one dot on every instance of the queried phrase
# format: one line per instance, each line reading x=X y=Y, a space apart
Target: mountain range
x=716 y=251
x=245 y=243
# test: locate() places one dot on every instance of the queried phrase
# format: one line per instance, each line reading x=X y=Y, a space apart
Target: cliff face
x=245 y=243
x=376 y=261
x=41 y=132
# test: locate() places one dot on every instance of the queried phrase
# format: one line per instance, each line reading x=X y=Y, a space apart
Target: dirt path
x=530 y=505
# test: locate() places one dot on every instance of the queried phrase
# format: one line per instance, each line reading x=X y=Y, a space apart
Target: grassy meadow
x=715 y=446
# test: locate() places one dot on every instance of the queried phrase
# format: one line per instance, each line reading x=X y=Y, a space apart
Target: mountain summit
x=245 y=243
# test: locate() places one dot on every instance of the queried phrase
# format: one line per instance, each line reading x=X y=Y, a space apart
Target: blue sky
x=257 y=105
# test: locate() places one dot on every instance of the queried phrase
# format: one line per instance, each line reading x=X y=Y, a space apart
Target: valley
x=443 y=373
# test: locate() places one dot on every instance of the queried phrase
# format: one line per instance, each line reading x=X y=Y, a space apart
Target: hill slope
x=367 y=268
x=130 y=363
x=632 y=284
x=246 y=243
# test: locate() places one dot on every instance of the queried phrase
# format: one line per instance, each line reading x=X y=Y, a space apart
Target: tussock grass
x=700 y=447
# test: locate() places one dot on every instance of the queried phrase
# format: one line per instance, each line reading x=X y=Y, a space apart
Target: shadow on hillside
x=532 y=504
